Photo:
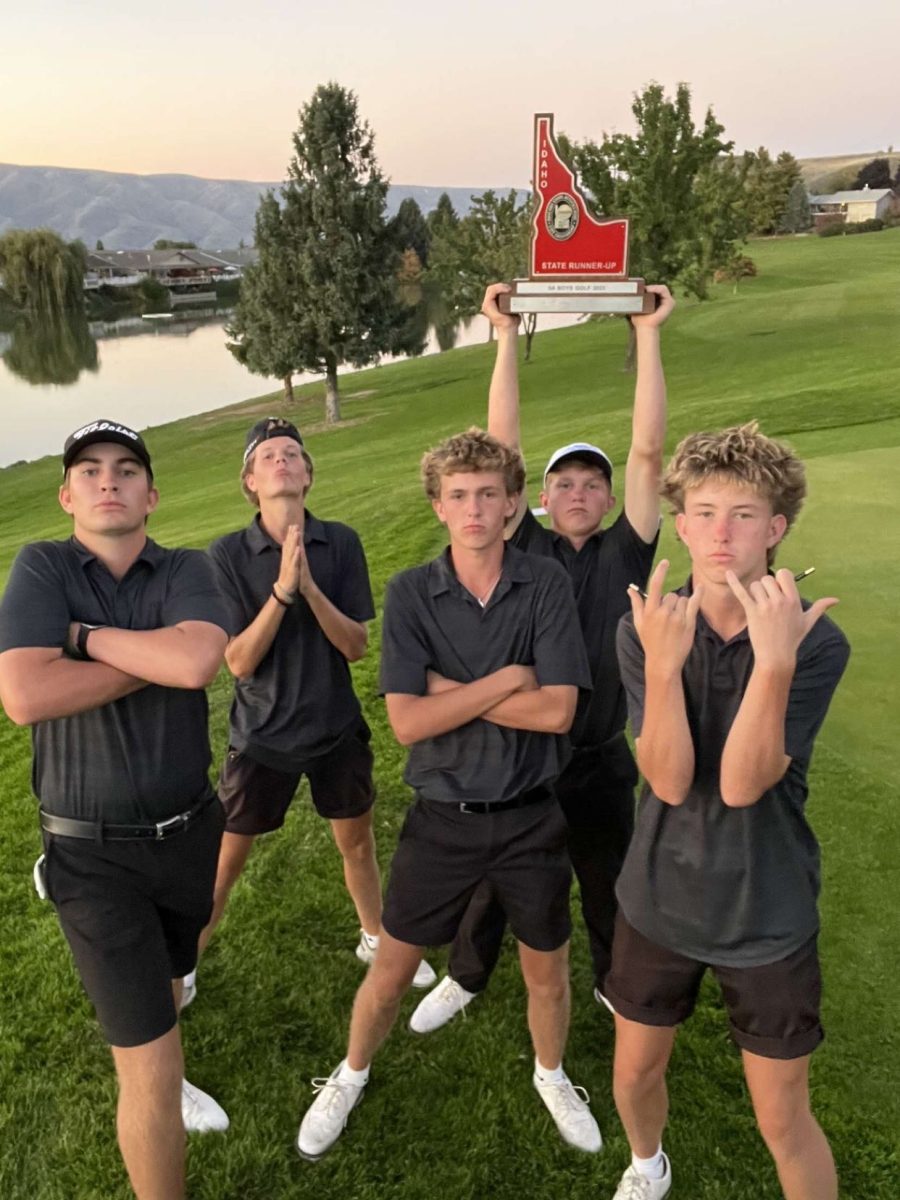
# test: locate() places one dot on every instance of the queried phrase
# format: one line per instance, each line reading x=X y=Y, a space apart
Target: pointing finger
x=739 y=590
x=785 y=580
x=657 y=579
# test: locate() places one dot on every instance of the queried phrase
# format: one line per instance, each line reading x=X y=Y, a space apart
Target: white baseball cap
x=584 y=451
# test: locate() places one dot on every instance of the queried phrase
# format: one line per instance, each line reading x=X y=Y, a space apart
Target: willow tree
x=42 y=273
x=324 y=291
x=52 y=348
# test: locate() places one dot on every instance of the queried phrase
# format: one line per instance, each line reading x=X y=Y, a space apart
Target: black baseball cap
x=270 y=427
x=105 y=431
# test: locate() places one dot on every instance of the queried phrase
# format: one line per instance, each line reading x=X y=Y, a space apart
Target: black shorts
x=773 y=1009
x=132 y=913
x=256 y=797
x=443 y=854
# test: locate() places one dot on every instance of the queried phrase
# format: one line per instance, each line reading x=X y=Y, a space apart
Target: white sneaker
x=635 y=1186
x=424 y=976
x=568 y=1107
x=326 y=1117
x=601 y=999
x=440 y=1006
x=365 y=952
x=199 y=1112
x=188 y=989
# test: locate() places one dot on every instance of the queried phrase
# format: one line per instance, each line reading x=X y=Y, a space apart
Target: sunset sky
x=449 y=89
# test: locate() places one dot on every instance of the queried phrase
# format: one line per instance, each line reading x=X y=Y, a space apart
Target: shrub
x=155 y=296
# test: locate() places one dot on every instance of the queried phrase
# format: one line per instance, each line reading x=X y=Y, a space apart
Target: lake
x=136 y=371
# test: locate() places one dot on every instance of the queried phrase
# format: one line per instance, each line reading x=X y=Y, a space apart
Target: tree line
x=337 y=282
x=336 y=279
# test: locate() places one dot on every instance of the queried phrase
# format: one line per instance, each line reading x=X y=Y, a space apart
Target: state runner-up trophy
x=579 y=264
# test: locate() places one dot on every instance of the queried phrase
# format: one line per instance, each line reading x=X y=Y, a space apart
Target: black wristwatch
x=81 y=650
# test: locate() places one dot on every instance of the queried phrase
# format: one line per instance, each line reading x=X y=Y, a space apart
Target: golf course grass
x=811 y=347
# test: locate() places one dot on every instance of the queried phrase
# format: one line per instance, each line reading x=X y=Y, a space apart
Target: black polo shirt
x=600 y=572
x=729 y=886
x=432 y=622
x=299 y=701
x=143 y=757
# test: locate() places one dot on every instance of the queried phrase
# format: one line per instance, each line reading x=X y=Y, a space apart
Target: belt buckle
x=464 y=808
x=164 y=828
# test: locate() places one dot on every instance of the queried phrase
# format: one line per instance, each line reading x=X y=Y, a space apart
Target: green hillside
x=810 y=348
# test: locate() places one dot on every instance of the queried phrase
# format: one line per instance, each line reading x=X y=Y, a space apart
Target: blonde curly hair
x=741 y=455
x=473 y=451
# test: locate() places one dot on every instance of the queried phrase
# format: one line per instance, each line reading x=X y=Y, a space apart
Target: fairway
x=811 y=348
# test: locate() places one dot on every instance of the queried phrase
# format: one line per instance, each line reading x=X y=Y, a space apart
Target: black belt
x=535 y=796
x=100 y=831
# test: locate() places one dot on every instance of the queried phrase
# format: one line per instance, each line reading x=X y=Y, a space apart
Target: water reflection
x=428 y=313
x=51 y=349
x=147 y=372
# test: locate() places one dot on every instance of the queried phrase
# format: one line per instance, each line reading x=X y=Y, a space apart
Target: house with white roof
x=852 y=207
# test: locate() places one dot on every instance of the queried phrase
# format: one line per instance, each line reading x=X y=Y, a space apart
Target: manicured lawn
x=811 y=348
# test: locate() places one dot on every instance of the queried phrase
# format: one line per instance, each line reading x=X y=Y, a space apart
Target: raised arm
x=754 y=758
x=41 y=684
x=665 y=626
x=648 y=431
x=503 y=396
x=414 y=718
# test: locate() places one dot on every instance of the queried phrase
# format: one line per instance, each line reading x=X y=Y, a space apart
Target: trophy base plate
x=577 y=296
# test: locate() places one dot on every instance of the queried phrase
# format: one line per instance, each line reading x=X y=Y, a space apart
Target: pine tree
x=324 y=291
x=263 y=331
x=488 y=244
x=410 y=230
x=768 y=186
x=797 y=217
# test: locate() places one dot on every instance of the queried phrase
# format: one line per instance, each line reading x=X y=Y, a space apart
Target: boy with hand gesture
x=728 y=682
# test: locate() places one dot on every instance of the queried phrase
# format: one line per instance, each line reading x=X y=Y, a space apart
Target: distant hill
x=129 y=212
x=823 y=174
x=132 y=211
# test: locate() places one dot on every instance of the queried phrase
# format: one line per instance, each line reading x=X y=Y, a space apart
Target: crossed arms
x=40 y=683
x=510 y=696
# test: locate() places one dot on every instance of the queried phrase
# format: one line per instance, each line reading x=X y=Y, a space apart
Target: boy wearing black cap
x=106 y=644
x=298 y=595
x=596 y=790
